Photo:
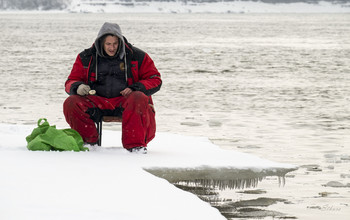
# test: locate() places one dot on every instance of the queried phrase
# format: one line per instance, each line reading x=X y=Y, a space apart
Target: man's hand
x=126 y=92
x=83 y=90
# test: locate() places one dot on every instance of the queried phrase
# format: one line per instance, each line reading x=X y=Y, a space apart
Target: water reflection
x=208 y=183
x=241 y=209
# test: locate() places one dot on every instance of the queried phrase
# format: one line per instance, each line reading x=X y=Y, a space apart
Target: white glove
x=83 y=89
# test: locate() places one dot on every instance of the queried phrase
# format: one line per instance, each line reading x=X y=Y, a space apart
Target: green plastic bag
x=47 y=138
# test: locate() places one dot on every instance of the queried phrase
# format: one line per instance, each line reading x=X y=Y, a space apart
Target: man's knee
x=137 y=97
x=72 y=102
x=136 y=101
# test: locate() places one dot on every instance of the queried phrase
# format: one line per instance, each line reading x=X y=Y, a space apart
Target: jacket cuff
x=74 y=87
x=138 y=87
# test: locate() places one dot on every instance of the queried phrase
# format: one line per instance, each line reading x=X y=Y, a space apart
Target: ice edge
x=221 y=178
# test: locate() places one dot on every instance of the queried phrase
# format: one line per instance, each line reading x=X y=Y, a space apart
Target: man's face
x=111 y=45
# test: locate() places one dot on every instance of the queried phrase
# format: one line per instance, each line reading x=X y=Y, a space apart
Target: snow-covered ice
x=111 y=183
x=115 y=6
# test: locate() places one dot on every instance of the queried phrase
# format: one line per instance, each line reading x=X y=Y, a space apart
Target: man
x=123 y=78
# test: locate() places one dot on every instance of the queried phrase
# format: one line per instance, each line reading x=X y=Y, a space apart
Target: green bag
x=47 y=138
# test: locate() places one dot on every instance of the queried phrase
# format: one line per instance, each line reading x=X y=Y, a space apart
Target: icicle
x=281 y=180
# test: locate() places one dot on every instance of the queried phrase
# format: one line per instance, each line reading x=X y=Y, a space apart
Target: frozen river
x=272 y=85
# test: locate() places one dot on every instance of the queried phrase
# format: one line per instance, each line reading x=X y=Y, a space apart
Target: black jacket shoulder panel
x=85 y=56
x=137 y=55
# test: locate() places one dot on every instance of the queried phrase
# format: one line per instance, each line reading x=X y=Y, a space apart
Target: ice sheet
x=110 y=182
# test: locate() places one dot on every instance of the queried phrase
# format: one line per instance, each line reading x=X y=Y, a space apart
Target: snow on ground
x=111 y=183
x=205 y=7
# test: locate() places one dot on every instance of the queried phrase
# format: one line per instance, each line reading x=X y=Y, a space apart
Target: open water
x=273 y=85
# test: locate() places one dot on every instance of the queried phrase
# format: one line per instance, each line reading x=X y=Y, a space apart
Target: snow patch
x=110 y=182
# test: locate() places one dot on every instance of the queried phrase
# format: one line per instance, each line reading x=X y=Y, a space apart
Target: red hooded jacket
x=141 y=73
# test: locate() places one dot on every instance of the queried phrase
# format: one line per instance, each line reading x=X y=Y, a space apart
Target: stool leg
x=99 y=131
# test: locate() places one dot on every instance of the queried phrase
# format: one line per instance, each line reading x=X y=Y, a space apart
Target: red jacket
x=142 y=75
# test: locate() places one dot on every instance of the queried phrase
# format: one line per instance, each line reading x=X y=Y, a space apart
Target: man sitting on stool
x=123 y=78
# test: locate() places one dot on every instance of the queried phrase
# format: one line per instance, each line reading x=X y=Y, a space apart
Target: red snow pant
x=138 y=118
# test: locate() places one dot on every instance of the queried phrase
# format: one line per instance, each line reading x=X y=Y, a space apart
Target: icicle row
x=223 y=184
